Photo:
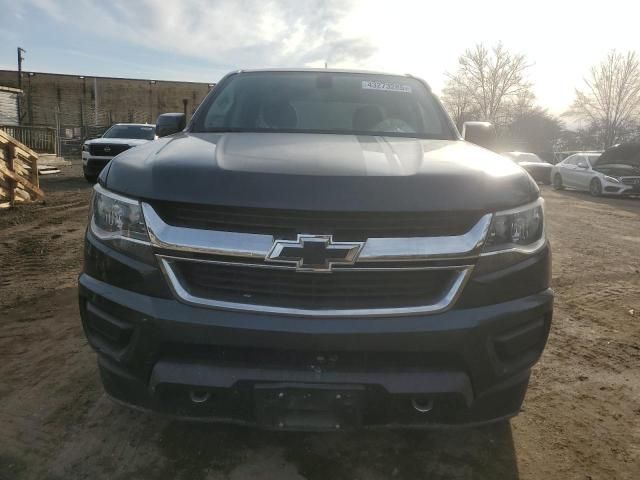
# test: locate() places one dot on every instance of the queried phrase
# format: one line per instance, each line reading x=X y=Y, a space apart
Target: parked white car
x=615 y=172
x=96 y=153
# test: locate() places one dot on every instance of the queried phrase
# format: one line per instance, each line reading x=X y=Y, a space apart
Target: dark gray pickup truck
x=317 y=250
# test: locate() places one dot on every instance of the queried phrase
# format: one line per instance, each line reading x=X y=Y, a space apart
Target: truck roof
x=331 y=70
x=318 y=70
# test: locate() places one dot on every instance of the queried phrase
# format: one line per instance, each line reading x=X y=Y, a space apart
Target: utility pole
x=29 y=99
x=83 y=128
x=21 y=52
x=95 y=100
x=151 y=83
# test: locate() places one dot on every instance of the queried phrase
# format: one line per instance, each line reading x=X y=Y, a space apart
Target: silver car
x=612 y=173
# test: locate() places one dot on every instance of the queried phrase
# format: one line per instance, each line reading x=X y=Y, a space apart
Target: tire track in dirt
x=37 y=241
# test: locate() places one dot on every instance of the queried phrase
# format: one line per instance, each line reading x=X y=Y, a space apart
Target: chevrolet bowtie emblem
x=314 y=253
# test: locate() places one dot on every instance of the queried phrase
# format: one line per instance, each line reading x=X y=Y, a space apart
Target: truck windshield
x=138 y=132
x=324 y=102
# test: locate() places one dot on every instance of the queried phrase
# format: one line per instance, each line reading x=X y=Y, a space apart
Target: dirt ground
x=581 y=418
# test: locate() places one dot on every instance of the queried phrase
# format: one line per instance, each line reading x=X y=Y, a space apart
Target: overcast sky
x=200 y=40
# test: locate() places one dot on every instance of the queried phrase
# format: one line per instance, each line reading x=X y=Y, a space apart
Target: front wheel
x=557 y=182
x=91 y=178
x=595 y=188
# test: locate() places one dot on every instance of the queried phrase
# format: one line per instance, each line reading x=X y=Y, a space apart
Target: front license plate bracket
x=284 y=406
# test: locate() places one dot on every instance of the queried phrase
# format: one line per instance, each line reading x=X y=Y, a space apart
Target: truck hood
x=117 y=141
x=320 y=172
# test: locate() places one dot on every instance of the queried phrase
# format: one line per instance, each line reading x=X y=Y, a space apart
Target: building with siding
x=9 y=98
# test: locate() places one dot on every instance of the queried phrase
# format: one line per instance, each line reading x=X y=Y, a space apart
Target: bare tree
x=457 y=101
x=610 y=101
x=520 y=105
x=492 y=80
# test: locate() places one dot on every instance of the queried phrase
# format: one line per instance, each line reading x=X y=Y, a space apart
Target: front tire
x=595 y=188
x=557 y=182
x=91 y=178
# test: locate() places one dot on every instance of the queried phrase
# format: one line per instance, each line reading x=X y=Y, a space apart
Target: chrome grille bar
x=209 y=242
x=176 y=244
x=255 y=246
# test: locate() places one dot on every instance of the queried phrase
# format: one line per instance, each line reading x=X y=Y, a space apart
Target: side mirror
x=481 y=133
x=582 y=165
x=170 y=123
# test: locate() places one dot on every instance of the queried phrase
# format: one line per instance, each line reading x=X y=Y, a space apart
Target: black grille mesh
x=107 y=150
x=342 y=225
x=347 y=289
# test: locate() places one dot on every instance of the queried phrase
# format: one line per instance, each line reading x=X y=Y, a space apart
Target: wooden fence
x=18 y=172
x=40 y=139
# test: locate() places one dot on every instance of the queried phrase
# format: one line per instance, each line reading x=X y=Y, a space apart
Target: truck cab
x=317 y=250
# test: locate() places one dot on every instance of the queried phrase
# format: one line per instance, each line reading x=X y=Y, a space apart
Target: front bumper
x=610 y=188
x=92 y=166
x=471 y=362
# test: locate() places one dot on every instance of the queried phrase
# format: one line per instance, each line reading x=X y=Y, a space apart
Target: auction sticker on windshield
x=385 y=86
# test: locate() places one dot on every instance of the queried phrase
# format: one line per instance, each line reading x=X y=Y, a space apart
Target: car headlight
x=611 y=179
x=85 y=147
x=519 y=229
x=118 y=222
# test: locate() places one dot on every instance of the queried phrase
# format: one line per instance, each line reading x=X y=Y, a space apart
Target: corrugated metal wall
x=8 y=106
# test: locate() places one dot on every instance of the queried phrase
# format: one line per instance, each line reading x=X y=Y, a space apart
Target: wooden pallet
x=19 y=180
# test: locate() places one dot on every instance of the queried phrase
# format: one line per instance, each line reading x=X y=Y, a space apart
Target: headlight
x=118 y=222
x=85 y=147
x=611 y=179
x=520 y=229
